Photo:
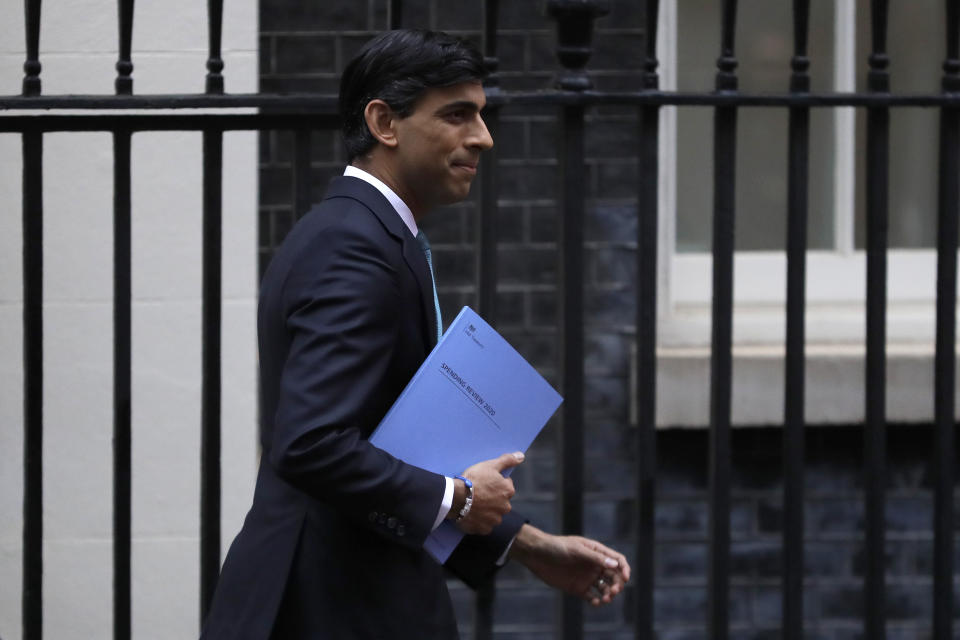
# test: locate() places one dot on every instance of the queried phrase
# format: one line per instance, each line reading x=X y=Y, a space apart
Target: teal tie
x=425 y=245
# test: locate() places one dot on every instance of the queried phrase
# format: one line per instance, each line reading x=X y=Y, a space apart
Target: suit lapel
x=350 y=187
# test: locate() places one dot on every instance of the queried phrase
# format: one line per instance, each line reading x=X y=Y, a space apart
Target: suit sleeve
x=340 y=303
x=475 y=558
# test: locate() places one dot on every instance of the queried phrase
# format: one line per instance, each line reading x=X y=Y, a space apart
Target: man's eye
x=457 y=116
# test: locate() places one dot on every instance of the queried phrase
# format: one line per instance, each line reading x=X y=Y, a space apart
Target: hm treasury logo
x=471 y=331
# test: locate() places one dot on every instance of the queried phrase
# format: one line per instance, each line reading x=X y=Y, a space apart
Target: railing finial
x=394 y=14
x=215 y=62
x=651 y=79
x=951 y=65
x=800 y=63
x=727 y=63
x=574 y=38
x=490 y=59
x=31 y=81
x=878 y=78
x=124 y=82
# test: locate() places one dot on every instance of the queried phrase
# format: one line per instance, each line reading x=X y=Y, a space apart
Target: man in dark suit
x=333 y=544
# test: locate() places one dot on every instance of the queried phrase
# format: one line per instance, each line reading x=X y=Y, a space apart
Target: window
x=838 y=47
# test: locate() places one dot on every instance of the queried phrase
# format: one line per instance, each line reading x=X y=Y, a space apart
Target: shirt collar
x=398 y=205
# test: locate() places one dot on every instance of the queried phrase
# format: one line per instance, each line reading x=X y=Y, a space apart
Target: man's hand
x=491 y=494
x=576 y=565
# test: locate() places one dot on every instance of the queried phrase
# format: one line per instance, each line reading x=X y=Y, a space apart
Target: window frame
x=836 y=287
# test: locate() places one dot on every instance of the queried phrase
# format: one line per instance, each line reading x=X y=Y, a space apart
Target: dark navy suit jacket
x=333 y=544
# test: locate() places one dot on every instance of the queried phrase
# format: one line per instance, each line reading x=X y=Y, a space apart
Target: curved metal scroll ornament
x=575 y=38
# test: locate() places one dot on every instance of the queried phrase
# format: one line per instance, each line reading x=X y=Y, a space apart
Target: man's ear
x=381 y=120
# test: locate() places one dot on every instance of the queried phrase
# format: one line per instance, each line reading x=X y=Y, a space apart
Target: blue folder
x=473 y=398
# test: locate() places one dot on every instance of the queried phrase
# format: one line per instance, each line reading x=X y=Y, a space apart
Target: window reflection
x=764 y=46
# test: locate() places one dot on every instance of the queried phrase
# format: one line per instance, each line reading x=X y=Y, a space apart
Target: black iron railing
x=571 y=96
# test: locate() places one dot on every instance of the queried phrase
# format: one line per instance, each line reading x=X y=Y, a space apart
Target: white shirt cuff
x=446 y=504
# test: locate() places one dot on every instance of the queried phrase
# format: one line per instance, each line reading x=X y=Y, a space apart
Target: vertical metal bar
x=32 y=603
x=31 y=81
x=302 y=139
x=483 y=610
x=724 y=153
x=124 y=81
x=945 y=360
x=486 y=230
x=122 y=340
x=646 y=327
x=121 y=385
x=210 y=439
x=214 y=61
x=394 y=14
x=571 y=343
x=212 y=249
x=486 y=234
x=878 y=141
x=794 y=390
x=574 y=36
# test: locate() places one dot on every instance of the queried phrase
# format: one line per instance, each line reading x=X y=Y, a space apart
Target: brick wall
x=303 y=48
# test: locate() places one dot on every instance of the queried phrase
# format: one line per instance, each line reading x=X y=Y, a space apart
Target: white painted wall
x=78 y=53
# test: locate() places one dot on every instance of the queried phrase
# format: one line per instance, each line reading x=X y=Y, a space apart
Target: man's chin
x=455 y=196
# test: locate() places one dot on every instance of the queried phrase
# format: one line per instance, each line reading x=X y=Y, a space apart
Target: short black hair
x=397 y=67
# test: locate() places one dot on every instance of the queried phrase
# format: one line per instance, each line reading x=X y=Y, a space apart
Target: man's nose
x=480 y=136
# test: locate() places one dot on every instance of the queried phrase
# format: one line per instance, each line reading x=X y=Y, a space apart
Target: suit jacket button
x=372 y=516
x=401 y=530
x=391 y=523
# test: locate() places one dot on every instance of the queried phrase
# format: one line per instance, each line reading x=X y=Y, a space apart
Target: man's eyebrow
x=459 y=104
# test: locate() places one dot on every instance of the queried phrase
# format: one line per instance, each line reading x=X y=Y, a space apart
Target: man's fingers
x=612 y=560
x=508 y=460
x=609 y=562
x=593 y=595
x=601 y=591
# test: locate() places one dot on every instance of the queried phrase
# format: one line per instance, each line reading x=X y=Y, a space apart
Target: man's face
x=439 y=146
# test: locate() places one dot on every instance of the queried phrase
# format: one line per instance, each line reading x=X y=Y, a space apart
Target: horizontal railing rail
x=327 y=104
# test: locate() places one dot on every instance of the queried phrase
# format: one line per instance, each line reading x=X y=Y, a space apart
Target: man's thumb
x=509 y=460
